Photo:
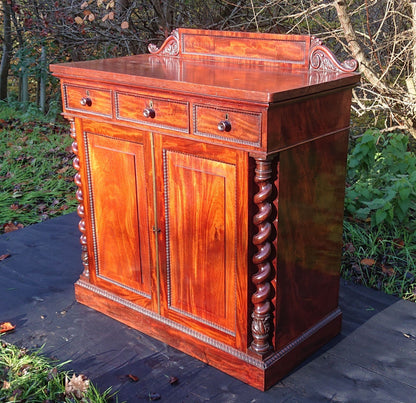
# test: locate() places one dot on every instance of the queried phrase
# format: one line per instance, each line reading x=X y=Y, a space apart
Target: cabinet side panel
x=120 y=219
x=293 y=123
x=201 y=219
x=311 y=199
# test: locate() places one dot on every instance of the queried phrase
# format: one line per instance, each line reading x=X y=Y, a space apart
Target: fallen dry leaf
x=6 y=327
x=356 y=267
x=349 y=247
x=76 y=386
x=5 y=256
x=399 y=243
x=53 y=373
x=133 y=378
x=388 y=270
x=6 y=385
x=10 y=227
x=63 y=169
x=25 y=369
x=368 y=262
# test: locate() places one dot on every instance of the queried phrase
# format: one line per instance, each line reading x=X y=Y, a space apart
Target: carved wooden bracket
x=169 y=48
x=321 y=58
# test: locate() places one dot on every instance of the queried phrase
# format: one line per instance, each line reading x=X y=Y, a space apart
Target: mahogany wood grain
x=210 y=179
x=204 y=257
x=119 y=212
x=311 y=198
x=222 y=74
x=257 y=373
x=286 y=131
x=219 y=79
x=132 y=107
x=244 y=126
x=96 y=101
x=122 y=240
x=247 y=47
x=201 y=218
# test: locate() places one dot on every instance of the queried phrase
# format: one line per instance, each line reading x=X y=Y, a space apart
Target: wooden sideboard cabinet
x=210 y=186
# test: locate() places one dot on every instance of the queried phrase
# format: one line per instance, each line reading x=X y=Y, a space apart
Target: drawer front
x=88 y=100
x=242 y=127
x=158 y=112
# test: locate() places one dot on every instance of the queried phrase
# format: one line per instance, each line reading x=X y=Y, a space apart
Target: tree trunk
x=7 y=50
x=413 y=8
x=42 y=80
x=24 y=87
x=411 y=81
x=355 y=48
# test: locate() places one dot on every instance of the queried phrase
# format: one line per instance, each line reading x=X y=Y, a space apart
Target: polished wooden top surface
x=244 y=66
x=223 y=79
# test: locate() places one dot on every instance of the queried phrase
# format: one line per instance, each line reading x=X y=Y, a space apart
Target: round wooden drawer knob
x=224 y=126
x=149 y=113
x=85 y=101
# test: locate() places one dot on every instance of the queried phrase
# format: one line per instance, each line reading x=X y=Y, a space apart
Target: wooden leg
x=80 y=209
x=261 y=316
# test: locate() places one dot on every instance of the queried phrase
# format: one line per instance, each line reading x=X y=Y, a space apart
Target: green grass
x=380 y=258
x=30 y=377
x=36 y=172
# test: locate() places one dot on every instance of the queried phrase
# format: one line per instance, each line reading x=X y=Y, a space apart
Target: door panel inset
x=200 y=196
x=120 y=215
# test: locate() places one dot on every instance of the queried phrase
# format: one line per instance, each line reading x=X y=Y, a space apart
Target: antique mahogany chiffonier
x=210 y=186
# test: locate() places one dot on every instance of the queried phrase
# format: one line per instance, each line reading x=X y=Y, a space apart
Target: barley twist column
x=80 y=198
x=261 y=316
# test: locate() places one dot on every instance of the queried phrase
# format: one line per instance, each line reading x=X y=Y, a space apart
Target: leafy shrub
x=381 y=180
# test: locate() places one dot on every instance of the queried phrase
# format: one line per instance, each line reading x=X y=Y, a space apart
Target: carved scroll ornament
x=169 y=48
x=321 y=58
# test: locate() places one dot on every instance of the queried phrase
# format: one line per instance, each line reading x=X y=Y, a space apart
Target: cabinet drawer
x=158 y=112
x=237 y=126
x=88 y=100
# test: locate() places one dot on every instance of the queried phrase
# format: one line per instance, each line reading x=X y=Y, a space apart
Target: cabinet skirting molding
x=248 y=358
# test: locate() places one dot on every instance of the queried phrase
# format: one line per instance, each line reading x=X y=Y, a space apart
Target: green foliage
x=381 y=180
x=380 y=203
x=29 y=66
x=13 y=111
x=31 y=377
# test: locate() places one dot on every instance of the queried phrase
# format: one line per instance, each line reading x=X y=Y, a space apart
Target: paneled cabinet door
x=119 y=193
x=204 y=223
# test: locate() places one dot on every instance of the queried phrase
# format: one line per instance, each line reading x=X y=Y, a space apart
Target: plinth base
x=261 y=374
